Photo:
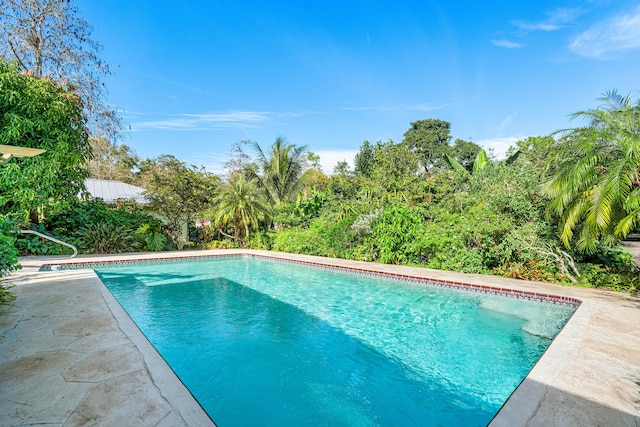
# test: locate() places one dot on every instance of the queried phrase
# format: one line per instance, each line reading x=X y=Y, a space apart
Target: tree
x=40 y=113
x=49 y=37
x=429 y=139
x=283 y=172
x=596 y=174
x=178 y=192
x=535 y=151
x=364 y=160
x=342 y=168
x=395 y=169
x=240 y=205
x=111 y=161
x=465 y=153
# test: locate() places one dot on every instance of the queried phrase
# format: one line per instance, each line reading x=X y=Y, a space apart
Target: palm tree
x=283 y=172
x=596 y=185
x=241 y=205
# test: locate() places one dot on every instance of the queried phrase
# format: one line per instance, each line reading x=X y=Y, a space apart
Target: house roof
x=111 y=191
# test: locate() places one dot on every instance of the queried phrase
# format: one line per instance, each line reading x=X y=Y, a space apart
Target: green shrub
x=604 y=276
x=394 y=233
x=105 y=238
x=8 y=256
x=90 y=224
x=149 y=239
x=8 y=251
x=298 y=241
x=259 y=240
x=83 y=213
x=31 y=244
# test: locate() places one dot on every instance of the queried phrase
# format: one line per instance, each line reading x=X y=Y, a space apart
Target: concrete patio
x=69 y=355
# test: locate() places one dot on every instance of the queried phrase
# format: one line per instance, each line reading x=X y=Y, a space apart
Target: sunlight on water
x=273 y=343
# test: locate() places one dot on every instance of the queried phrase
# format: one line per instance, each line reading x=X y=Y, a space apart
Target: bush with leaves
x=94 y=217
x=8 y=256
x=107 y=238
x=68 y=221
x=150 y=240
x=298 y=241
x=30 y=244
x=43 y=114
x=8 y=252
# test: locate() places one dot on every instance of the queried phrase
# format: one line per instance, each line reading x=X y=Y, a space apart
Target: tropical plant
x=283 y=172
x=481 y=162
x=152 y=240
x=107 y=238
x=69 y=220
x=241 y=206
x=465 y=152
x=596 y=184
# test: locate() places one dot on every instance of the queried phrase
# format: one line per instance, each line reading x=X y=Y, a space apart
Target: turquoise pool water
x=262 y=342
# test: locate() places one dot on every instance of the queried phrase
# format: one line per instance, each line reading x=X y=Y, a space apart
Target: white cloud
x=535 y=26
x=506 y=43
x=401 y=107
x=556 y=19
x=210 y=121
x=610 y=36
x=330 y=158
x=499 y=146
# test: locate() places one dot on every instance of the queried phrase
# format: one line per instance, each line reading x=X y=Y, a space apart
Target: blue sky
x=193 y=77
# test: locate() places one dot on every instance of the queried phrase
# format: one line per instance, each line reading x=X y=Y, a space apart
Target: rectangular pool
x=265 y=342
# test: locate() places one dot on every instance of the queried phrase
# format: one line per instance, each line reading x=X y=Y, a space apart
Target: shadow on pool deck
x=584 y=412
x=69 y=355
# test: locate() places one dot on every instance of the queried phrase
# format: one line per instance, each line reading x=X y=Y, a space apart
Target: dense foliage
x=423 y=201
x=8 y=256
x=94 y=227
x=40 y=113
x=489 y=217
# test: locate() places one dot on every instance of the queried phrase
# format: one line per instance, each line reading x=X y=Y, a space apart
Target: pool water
x=261 y=342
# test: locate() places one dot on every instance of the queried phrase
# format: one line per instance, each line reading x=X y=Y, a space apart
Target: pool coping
x=494 y=290
x=589 y=375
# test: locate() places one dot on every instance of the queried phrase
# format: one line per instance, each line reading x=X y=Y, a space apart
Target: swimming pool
x=261 y=341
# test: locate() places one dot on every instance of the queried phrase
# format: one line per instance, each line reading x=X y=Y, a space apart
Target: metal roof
x=111 y=191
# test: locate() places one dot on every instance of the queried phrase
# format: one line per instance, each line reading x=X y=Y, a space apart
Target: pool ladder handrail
x=53 y=239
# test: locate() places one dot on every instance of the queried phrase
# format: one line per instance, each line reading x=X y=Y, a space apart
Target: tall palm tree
x=283 y=172
x=596 y=185
x=241 y=205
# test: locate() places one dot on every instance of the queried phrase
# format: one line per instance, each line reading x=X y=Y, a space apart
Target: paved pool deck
x=71 y=356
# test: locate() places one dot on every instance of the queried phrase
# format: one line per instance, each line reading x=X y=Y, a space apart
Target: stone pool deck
x=70 y=356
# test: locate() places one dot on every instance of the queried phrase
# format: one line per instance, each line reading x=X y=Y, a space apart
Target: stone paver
x=70 y=356
x=102 y=371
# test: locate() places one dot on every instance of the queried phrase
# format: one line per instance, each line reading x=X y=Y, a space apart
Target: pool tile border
x=486 y=289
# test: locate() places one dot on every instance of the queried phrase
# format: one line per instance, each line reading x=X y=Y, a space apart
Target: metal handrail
x=53 y=239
